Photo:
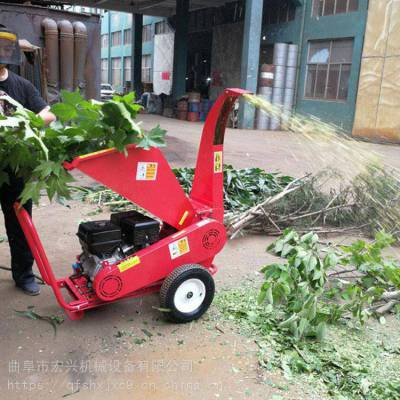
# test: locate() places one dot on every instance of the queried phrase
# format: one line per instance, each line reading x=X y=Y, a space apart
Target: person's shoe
x=29 y=288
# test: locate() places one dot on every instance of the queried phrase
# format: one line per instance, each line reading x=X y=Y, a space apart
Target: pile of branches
x=371 y=202
x=243 y=188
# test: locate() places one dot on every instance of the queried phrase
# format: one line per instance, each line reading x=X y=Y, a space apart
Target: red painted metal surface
x=145 y=178
x=199 y=244
x=208 y=180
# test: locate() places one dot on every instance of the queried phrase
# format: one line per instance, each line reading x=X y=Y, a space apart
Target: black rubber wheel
x=187 y=293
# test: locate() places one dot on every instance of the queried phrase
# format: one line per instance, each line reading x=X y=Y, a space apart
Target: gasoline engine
x=106 y=242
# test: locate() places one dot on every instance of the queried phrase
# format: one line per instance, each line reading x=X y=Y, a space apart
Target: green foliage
x=36 y=153
x=300 y=285
x=243 y=188
x=349 y=364
x=367 y=258
x=53 y=320
x=154 y=138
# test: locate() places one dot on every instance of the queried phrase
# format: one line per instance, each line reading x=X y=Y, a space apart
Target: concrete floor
x=99 y=355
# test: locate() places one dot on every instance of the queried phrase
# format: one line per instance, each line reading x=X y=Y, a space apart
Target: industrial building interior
x=193 y=22
x=219 y=44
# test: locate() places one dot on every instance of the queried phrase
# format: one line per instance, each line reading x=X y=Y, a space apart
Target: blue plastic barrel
x=194 y=106
x=205 y=105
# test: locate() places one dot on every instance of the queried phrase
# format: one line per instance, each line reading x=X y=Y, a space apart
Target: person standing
x=28 y=96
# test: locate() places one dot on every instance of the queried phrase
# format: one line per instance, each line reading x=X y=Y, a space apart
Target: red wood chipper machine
x=132 y=254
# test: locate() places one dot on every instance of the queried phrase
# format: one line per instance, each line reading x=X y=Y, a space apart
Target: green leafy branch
x=53 y=320
x=36 y=153
x=310 y=288
x=243 y=188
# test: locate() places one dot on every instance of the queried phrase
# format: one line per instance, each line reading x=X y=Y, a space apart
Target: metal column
x=109 y=65
x=250 y=58
x=136 y=54
x=180 y=48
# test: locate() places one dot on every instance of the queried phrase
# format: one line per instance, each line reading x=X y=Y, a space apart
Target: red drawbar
x=145 y=178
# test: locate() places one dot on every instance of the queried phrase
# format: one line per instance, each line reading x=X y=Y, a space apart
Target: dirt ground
x=101 y=357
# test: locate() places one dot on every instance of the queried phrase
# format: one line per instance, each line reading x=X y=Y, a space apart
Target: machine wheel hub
x=190 y=295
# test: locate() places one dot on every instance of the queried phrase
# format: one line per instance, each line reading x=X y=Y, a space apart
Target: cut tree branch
x=245 y=218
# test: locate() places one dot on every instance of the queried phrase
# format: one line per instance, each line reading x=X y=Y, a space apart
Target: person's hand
x=47 y=116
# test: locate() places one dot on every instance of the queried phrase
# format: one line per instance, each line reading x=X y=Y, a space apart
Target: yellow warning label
x=151 y=171
x=183 y=246
x=128 y=264
x=96 y=152
x=217 y=162
x=184 y=216
x=179 y=248
x=146 y=171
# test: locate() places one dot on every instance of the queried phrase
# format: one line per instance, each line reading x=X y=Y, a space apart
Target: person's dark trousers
x=21 y=256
